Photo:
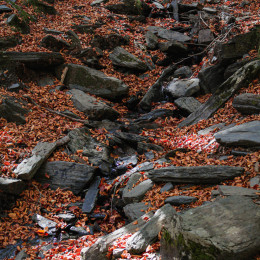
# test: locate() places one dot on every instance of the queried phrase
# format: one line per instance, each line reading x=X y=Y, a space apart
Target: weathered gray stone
x=65 y=175
x=9 y=41
x=149 y=232
x=153 y=115
x=211 y=128
x=91 y=107
x=134 y=211
x=169 y=34
x=187 y=104
x=34 y=60
x=66 y=216
x=225 y=190
x=29 y=166
x=5 y=9
x=19 y=25
x=54 y=44
x=43 y=222
x=180 y=200
x=205 y=36
x=225 y=229
x=195 y=174
x=247 y=134
x=255 y=181
x=182 y=88
x=99 y=250
x=224 y=92
x=151 y=40
x=93 y=81
x=247 y=103
x=122 y=58
x=137 y=193
x=12 y=186
x=81 y=140
x=167 y=187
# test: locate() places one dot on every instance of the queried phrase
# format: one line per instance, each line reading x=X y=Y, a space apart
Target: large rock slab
x=93 y=81
x=11 y=186
x=174 y=49
x=247 y=134
x=137 y=193
x=187 y=104
x=149 y=232
x=91 y=107
x=225 y=229
x=34 y=60
x=225 y=190
x=209 y=174
x=99 y=250
x=247 y=103
x=180 y=200
x=65 y=175
x=122 y=58
x=227 y=89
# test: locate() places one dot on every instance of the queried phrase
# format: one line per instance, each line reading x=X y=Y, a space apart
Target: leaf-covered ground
x=16 y=142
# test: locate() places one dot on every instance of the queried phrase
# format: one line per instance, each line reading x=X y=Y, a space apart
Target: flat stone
x=12 y=186
x=122 y=58
x=135 y=210
x=180 y=200
x=195 y=174
x=29 y=166
x=167 y=187
x=247 y=134
x=205 y=36
x=183 y=72
x=137 y=193
x=65 y=175
x=255 y=181
x=66 y=216
x=91 y=107
x=93 y=81
x=225 y=190
x=151 y=40
x=5 y=9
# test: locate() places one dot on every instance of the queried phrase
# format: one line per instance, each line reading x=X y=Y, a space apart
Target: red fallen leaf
x=72 y=208
x=6 y=163
x=46 y=185
x=42 y=233
x=47 y=176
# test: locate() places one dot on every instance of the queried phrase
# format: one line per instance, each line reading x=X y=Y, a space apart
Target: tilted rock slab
x=226 y=90
x=149 y=232
x=11 y=186
x=247 y=103
x=225 y=229
x=93 y=81
x=99 y=250
x=247 y=134
x=209 y=174
x=28 y=167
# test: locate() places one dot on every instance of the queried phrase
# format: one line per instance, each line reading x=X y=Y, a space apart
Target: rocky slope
x=129 y=130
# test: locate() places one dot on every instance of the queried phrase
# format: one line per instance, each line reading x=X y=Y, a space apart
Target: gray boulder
x=54 y=44
x=93 y=81
x=19 y=25
x=247 y=103
x=183 y=72
x=187 y=104
x=91 y=107
x=13 y=110
x=209 y=174
x=223 y=93
x=134 y=211
x=182 y=88
x=7 y=42
x=247 y=134
x=122 y=58
x=225 y=229
x=205 y=36
x=65 y=175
